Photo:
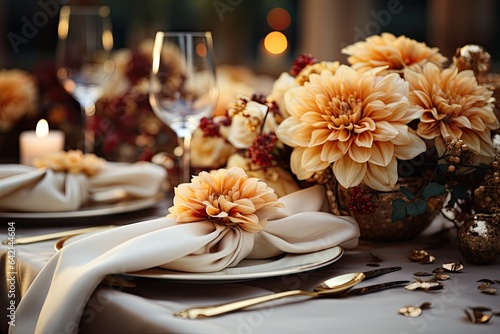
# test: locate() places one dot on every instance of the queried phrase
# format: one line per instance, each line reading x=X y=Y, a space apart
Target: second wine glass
x=83 y=62
x=183 y=86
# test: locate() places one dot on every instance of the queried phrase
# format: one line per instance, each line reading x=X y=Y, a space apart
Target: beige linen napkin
x=57 y=297
x=30 y=189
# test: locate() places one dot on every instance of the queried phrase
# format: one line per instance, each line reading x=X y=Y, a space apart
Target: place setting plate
x=247 y=269
x=93 y=209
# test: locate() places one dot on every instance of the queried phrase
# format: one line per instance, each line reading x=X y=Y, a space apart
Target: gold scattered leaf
x=484 y=286
x=425 y=306
x=427 y=259
x=438 y=270
x=417 y=255
x=442 y=277
x=489 y=291
x=453 y=266
x=410 y=311
x=376 y=258
x=422 y=273
x=479 y=314
x=424 y=285
x=485 y=280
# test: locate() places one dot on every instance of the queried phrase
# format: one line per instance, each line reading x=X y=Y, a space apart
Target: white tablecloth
x=148 y=307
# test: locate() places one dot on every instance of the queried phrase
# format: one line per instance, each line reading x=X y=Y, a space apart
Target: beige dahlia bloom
x=356 y=123
x=18 y=96
x=397 y=53
x=73 y=162
x=453 y=103
x=225 y=196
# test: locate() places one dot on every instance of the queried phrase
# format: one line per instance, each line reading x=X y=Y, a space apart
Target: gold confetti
x=453 y=266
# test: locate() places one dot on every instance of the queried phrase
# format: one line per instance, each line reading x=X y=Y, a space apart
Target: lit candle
x=39 y=143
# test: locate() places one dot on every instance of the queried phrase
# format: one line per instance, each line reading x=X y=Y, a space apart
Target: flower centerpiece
x=393 y=122
x=18 y=104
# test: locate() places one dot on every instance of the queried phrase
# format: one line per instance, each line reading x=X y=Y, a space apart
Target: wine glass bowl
x=83 y=63
x=183 y=86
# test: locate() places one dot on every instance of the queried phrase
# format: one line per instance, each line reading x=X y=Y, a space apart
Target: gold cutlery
x=330 y=287
x=56 y=235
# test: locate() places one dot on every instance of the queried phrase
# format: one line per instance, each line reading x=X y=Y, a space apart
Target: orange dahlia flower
x=453 y=103
x=355 y=123
x=397 y=53
x=225 y=196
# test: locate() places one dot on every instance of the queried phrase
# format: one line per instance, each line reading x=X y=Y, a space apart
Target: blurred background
x=252 y=37
x=320 y=27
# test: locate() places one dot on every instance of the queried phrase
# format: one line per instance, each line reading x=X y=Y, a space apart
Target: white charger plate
x=92 y=210
x=245 y=270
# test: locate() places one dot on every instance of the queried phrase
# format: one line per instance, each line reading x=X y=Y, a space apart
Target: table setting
x=345 y=197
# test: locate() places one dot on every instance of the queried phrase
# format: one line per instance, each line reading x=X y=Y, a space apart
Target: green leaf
x=407 y=193
x=432 y=189
x=398 y=209
x=417 y=208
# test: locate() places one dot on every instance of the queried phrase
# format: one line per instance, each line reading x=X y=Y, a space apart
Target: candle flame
x=42 y=129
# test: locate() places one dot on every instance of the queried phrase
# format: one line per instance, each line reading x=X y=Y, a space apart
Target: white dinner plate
x=245 y=270
x=92 y=210
x=251 y=269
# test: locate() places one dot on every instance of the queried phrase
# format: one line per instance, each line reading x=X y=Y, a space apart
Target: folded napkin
x=55 y=301
x=29 y=189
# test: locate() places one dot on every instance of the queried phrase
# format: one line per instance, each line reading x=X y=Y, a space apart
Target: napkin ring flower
x=73 y=162
x=228 y=197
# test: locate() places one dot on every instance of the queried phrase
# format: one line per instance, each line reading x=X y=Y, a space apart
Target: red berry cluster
x=261 y=151
x=209 y=127
x=300 y=62
x=361 y=202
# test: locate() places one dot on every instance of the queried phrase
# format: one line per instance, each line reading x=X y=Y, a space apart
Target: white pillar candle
x=39 y=143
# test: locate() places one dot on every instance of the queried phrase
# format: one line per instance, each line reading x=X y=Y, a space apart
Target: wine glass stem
x=185 y=143
x=88 y=114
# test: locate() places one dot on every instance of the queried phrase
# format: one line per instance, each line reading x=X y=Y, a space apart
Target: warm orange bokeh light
x=278 y=18
x=201 y=50
x=275 y=42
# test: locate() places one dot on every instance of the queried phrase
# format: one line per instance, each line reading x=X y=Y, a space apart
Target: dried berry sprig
x=300 y=62
x=361 y=201
x=262 y=150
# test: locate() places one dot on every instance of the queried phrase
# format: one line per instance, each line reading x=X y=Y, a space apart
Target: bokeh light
x=275 y=42
x=201 y=50
x=278 y=18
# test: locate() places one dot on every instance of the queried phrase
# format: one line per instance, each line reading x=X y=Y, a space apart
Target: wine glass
x=183 y=87
x=83 y=62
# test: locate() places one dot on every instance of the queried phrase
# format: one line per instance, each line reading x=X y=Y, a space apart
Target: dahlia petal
x=287 y=132
x=296 y=164
x=331 y=152
x=385 y=131
x=472 y=140
x=464 y=122
x=382 y=178
x=364 y=139
x=311 y=159
x=348 y=172
x=410 y=151
x=381 y=153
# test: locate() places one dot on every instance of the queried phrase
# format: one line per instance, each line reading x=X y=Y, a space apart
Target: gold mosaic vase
x=479 y=238
x=378 y=226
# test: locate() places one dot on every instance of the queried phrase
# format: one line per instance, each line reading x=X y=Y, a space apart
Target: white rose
x=245 y=129
x=209 y=151
x=280 y=86
x=276 y=177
